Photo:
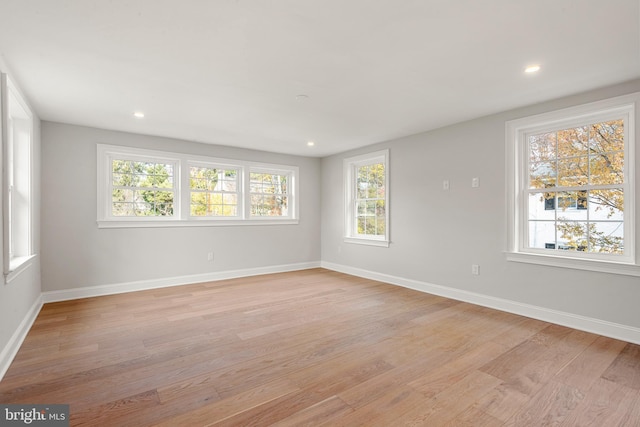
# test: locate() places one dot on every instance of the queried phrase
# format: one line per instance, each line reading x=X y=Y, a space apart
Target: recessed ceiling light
x=311 y=143
x=138 y=114
x=532 y=68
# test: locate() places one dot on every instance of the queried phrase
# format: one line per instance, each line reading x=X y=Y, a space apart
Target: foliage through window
x=269 y=194
x=138 y=187
x=370 y=199
x=142 y=188
x=214 y=192
x=366 y=198
x=581 y=170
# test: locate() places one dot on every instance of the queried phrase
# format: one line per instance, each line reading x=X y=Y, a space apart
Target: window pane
x=606 y=237
x=381 y=225
x=542 y=206
x=572 y=235
x=542 y=174
x=573 y=142
x=542 y=234
x=371 y=208
x=573 y=171
x=542 y=147
x=572 y=205
x=606 y=204
x=121 y=195
x=122 y=209
x=606 y=168
x=607 y=136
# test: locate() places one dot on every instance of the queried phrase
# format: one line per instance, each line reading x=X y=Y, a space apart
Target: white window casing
x=17 y=154
x=535 y=212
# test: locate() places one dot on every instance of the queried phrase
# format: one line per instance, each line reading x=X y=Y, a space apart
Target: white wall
x=437 y=235
x=76 y=254
x=20 y=299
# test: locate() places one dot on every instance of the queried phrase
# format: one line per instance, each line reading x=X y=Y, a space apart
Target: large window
x=367 y=199
x=571 y=185
x=138 y=188
x=17 y=143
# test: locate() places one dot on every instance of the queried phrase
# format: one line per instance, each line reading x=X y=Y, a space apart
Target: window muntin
x=571 y=187
x=581 y=170
x=269 y=191
x=214 y=191
x=367 y=199
x=148 y=188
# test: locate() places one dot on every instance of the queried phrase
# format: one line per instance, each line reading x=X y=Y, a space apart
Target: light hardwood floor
x=317 y=347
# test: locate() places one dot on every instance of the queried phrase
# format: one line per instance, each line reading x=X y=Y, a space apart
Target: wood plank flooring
x=315 y=348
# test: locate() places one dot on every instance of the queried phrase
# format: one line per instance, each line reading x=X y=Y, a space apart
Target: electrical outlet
x=445 y=184
x=475 y=182
x=210 y=256
x=475 y=269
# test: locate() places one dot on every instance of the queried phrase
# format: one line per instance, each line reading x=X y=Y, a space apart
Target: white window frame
x=182 y=203
x=623 y=107
x=350 y=165
x=17 y=164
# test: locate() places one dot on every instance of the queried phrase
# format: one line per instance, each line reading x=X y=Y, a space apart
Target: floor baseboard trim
x=11 y=349
x=118 y=288
x=583 y=323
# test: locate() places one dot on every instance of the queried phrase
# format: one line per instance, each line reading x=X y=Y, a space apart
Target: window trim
x=517 y=176
x=182 y=216
x=349 y=165
x=14 y=265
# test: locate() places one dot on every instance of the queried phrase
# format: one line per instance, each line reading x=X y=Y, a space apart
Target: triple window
x=150 y=188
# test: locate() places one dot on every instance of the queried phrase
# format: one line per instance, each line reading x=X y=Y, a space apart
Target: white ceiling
x=228 y=71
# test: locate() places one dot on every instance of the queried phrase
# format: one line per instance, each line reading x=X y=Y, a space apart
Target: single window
x=142 y=187
x=366 y=199
x=572 y=187
x=214 y=191
x=17 y=126
x=269 y=193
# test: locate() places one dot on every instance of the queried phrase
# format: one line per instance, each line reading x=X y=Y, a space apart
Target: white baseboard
x=11 y=349
x=583 y=323
x=141 y=285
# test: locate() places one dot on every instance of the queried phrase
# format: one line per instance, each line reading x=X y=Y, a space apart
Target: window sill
x=17 y=266
x=194 y=223
x=368 y=242
x=574 y=263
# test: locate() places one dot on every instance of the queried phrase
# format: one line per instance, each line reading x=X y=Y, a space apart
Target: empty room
x=320 y=213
